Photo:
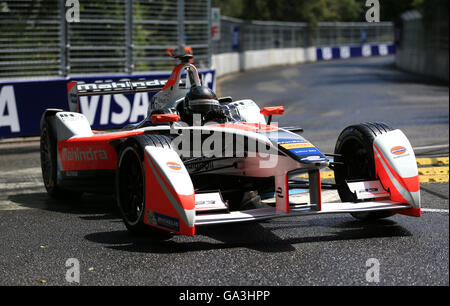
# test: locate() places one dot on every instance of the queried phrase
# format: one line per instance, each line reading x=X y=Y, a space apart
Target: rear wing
x=76 y=90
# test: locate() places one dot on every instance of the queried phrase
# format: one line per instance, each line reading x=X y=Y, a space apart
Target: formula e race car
x=198 y=160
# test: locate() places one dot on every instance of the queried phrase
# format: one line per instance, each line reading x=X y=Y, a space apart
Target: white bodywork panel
x=69 y=124
x=169 y=164
x=399 y=154
x=271 y=212
x=249 y=111
x=170 y=97
x=172 y=168
x=405 y=163
x=209 y=202
x=368 y=190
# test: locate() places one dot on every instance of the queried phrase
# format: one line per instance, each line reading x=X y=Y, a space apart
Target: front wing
x=298 y=210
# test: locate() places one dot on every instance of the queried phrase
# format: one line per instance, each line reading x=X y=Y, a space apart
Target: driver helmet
x=201 y=100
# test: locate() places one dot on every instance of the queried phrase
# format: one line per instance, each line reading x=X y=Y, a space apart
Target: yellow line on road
x=433 y=171
x=426 y=174
x=432 y=161
x=434 y=178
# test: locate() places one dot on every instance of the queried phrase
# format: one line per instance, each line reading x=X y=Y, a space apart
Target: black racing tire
x=355 y=145
x=130 y=183
x=49 y=166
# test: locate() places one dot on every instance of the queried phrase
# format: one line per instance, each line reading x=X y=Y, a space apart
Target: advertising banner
x=22 y=103
x=343 y=52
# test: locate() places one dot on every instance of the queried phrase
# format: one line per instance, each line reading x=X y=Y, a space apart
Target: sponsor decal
x=399 y=150
x=301 y=147
x=115 y=109
x=298 y=145
x=8 y=109
x=209 y=202
x=174 y=166
x=206 y=165
x=305 y=151
x=312 y=158
x=71 y=173
x=161 y=220
x=118 y=86
x=282 y=141
x=368 y=190
x=79 y=155
x=67 y=117
x=279 y=192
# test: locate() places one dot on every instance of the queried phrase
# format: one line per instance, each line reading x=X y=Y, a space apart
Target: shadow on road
x=262 y=237
x=88 y=204
x=253 y=236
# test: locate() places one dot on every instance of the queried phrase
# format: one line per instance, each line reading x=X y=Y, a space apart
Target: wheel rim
x=131 y=187
x=357 y=161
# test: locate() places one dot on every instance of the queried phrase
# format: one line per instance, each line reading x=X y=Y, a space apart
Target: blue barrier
x=343 y=52
x=22 y=103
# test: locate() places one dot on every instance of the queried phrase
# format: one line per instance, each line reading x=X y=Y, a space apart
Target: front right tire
x=49 y=165
x=131 y=184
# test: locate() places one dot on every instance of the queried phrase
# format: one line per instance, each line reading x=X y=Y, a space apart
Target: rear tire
x=130 y=183
x=355 y=145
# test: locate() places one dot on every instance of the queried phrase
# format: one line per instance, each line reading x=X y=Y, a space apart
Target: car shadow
x=88 y=206
x=257 y=236
x=272 y=236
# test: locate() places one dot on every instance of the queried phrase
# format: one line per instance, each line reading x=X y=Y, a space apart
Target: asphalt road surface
x=38 y=235
x=325 y=97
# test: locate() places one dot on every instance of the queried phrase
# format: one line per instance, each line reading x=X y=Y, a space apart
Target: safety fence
x=112 y=36
x=424 y=43
x=240 y=35
x=245 y=45
x=40 y=51
x=131 y=36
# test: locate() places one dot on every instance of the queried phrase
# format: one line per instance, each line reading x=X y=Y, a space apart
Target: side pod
x=396 y=166
x=170 y=197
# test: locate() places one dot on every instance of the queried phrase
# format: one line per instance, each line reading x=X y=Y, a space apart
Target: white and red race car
x=198 y=160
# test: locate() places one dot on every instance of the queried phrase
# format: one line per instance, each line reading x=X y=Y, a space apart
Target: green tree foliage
x=313 y=11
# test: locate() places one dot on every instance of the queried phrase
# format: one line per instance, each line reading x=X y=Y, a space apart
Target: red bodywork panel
x=411 y=184
x=164 y=118
x=173 y=77
x=249 y=127
x=273 y=110
x=157 y=193
x=91 y=153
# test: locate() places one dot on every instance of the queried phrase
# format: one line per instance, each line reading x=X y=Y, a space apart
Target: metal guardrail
x=420 y=34
x=240 y=35
x=113 y=36
x=29 y=38
x=131 y=36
